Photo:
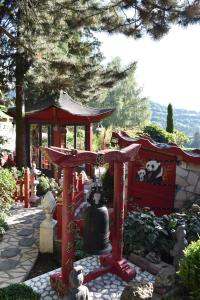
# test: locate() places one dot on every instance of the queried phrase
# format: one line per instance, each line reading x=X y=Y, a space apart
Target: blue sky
x=168 y=70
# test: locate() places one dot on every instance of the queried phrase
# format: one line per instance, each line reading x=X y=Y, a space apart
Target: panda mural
x=141 y=175
x=152 y=173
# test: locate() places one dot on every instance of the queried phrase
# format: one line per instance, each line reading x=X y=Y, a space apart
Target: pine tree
x=170 y=119
x=131 y=109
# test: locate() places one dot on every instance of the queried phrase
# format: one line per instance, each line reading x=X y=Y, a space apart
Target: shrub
x=156 y=132
x=18 y=292
x=7 y=189
x=3 y=224
x=144 y=231
x=48 y=184
x=189 y=271
x=43 y=186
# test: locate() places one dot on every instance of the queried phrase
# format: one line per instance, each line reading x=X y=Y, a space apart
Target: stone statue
x=181 y=243
x=77 y=291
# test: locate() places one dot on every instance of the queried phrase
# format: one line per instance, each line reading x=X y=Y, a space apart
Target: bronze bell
x=96 y=229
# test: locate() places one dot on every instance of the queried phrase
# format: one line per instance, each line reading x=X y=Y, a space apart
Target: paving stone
x=36 y=224
x=25 y=221
x=8 y=264
x=40 y=218
x=26 y=242
x=10 y=252
x=25 y=232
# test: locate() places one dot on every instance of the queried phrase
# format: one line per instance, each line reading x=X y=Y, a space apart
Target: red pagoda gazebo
x=58 y=122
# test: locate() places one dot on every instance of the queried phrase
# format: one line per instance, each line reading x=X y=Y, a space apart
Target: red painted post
x=90 y=137
x=59 y=220
x=119 y=187
x=21 y=192
x=27 y=187
x=76 y=182
x=89 y=168
x=56 y=136
x=67 y=224
x=81 y=181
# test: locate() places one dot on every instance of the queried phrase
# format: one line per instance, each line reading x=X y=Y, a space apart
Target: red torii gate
x=68 y=160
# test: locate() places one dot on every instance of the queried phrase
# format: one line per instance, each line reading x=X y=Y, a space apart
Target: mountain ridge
x=185 y=120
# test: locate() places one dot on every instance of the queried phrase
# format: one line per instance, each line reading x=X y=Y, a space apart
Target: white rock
x=192 y=178
x=181 y=172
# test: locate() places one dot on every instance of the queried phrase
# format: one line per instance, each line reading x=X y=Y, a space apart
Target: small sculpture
x=77 y=291
x=181 y=243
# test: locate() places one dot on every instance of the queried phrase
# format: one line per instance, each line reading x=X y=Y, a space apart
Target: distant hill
x=187 y=121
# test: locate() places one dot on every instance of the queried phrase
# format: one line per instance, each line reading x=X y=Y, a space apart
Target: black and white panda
x=154 y=172
x=141 y=175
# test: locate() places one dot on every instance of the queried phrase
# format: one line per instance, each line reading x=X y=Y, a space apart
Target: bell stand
x=68 y=160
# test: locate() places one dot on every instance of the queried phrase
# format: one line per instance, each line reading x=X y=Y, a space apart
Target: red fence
x=22 y=192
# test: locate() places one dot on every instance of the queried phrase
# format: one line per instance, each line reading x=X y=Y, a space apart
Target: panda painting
x=141 y=175
x=154 y=172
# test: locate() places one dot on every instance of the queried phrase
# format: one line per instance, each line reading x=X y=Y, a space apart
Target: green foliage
x=189 y=271
x=3 y=224
x=157 y=133
x=78 y=247
x=144 y=231
x=96 y=142
x=108 y=186
x=48 y=184
x=179 y=138
x=18 y=292
x=170 y=119
x=7 y=189
x=131 y=109
x=43 y=186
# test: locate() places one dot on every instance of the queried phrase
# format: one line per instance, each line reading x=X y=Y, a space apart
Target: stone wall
x=187 y=184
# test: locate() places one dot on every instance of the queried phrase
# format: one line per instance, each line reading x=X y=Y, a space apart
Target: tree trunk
x=20 y=112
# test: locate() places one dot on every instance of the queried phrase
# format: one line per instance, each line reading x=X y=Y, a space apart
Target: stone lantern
x=34 y=182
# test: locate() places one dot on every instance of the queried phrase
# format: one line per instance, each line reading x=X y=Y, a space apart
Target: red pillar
x=56 y=136
x=67 y=225
x=120 y=265
x=90 y=137
x=119 y=188
x=89 y=147
x=27 y=188
x=56 y=143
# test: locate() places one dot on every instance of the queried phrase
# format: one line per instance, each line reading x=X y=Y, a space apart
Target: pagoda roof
x=61 y=110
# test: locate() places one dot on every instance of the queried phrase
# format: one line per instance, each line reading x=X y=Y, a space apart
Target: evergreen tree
x=131 y=108
x=170 y=119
